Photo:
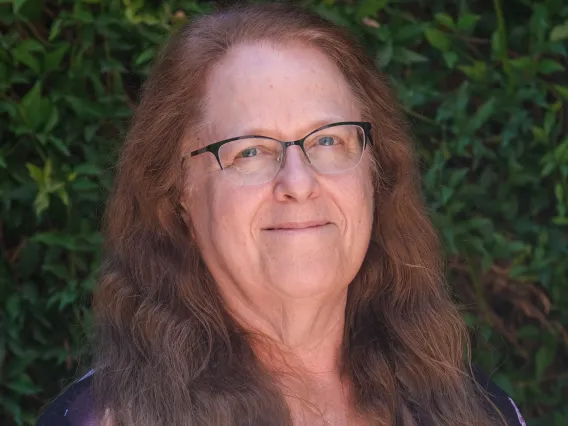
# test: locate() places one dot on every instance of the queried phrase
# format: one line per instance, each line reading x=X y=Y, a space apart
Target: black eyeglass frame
x=216 y=146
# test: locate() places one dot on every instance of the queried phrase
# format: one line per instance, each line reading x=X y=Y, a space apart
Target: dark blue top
x=74 y=407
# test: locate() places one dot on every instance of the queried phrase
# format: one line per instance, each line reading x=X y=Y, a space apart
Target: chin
x=307 y=285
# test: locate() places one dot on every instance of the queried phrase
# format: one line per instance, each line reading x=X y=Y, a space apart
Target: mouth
x=297 y=226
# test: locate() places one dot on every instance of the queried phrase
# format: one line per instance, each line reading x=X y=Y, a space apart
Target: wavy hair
x=166 y=350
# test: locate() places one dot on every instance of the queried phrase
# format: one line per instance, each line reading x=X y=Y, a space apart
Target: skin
x=289 y=285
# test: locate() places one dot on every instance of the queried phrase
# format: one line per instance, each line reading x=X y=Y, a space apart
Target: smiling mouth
x=297 y=226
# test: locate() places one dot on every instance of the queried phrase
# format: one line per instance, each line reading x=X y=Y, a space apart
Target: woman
x=250 y=280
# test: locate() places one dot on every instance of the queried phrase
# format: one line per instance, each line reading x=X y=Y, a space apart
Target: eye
x=326 y=141
x=248 y=153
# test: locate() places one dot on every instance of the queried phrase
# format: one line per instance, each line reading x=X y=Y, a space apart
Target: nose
x=297 y=180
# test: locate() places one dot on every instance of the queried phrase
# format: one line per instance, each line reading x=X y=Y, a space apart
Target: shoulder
x=73 y=407
x=501 y=400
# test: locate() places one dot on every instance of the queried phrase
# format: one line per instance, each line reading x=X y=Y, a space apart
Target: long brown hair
x=167 y=352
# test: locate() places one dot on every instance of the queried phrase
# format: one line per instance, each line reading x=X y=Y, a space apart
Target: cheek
x=369 y=190
x=358 y=205
x=220 y=225
x=361 y=207
x=361 y=192
x=233 y=211
x=218 y=209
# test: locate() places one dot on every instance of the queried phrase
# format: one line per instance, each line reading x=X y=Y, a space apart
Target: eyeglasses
x=254 y=160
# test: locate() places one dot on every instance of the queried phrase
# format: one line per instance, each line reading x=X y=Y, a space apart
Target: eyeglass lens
x=332 y=150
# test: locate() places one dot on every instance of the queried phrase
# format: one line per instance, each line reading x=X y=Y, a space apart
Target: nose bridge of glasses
x=300 y=144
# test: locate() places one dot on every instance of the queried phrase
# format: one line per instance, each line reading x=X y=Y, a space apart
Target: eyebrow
x=260 y=131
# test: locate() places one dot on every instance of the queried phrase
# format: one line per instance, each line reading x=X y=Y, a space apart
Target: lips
x=290 y=226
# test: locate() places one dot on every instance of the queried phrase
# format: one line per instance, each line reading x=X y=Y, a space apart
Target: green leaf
x=30 y=9
x=88 y=169
x=445 y=194
x=59 y=145
x=543 y=358
x=549 y=121
x=559 y=32
x=547 y=169
x=29 y=259
x=145 y=56
x=384 y=55
x=60 y=271
x=55 y=29
x=12 y=306
x=17 y=5
x=23 y=385
x=549 y=66
x=437 y=39
x=467 y=21
x=562 y=90
x=90 y=131
x=24 y=54
x=559 y=192
x=498 y=45
x=538 y=23
x=369 y=8
x=561 y=151
x=31 y=107
x=85 y=16
x=477 y=71
x=56 y=239
x=63 y=196
x=539 y=134
x=406 y=56
x=482 y=114
x=560 y=220
x=333 y=15
x=451 y=58
x=41 y=202
x=35 y=172
x=84 y=108
x=53 y=59
x=12 y=407
x=445 y=19
x=47 y=170
x=52 y=121
x=405 y=34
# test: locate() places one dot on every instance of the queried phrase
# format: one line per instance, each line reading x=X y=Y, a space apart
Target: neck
x=293 y=333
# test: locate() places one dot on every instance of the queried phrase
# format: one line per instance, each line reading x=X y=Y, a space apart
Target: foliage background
x=483 y=83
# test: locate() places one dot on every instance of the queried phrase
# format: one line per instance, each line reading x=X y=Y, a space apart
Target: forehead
x=284 y=90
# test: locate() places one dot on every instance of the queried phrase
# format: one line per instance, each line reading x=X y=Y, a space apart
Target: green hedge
x=484 y=84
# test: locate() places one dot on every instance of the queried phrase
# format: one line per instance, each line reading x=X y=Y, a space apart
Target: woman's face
x=243 y=232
